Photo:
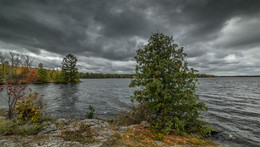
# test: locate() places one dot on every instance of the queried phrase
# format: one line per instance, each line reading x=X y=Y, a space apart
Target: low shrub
x=6 y=127
x=135 y=115
x=30 y=108
x=91 y=113
x=3 y=112
x=12 y=127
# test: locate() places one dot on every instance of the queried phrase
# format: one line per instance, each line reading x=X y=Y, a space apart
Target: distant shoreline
x=240 y=76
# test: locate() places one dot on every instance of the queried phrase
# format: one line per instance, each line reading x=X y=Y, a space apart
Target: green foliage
x=2 y=74
x=43 y=75
x=90 y=114
x=133 y=116
x=3 y=111
x=103 y=75
x=58 y=77
x=6 y=127
x=159 y=137
x=69 y=69
x=167 y=87
x=11 y=127
x=30 y=108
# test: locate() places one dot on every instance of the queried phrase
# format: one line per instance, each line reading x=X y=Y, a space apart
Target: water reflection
x=234 y=103
x=67 y=100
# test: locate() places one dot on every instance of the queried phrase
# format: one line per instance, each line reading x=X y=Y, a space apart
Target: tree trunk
x=10 y=113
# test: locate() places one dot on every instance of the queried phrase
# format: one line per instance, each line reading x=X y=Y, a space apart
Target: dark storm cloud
x=70 y=27
x=214 y=32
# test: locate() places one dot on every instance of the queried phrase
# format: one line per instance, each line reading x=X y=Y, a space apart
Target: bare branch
x=27 y=61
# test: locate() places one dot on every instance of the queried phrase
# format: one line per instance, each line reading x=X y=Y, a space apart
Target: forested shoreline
x=17 y=67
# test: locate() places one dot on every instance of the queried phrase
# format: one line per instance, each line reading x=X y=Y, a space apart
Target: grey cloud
x=112 y=30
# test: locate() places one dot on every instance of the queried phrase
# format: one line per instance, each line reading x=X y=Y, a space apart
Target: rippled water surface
x=233 y=107
x=234 y=103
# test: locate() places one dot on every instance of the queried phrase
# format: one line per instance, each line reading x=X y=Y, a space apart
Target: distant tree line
x=107 y=75
x=103 y=75
x=14 y=67
x=205 y=75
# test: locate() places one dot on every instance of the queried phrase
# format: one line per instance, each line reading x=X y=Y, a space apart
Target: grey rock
x=122 y=128
x=159 y=142
x=12 y=145
x=99 y=138
x=26 y=127
x=102 y=131
x=131 y=126
x=63 y=120
x=96 y=127
x=48 y=129
x=91 y=121
x=3 y=141
x=145 y=124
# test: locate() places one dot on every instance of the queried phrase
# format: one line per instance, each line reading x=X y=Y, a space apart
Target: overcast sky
x=221 y=37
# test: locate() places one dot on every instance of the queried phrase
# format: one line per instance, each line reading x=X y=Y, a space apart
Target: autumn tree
x=27 y=61
x=1 y=75
x=2 y=69
x=3 y=60
x=167 y=87
x=58 y=76
x=15 y=91
x=43 y=74
x=69 y=69
x=11 y=60
x=17 y=63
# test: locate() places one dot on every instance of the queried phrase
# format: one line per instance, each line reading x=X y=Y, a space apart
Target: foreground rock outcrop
x=54 y=135
x=98 y=133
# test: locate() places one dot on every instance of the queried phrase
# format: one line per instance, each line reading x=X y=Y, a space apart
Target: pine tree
x=167 y=87
x=69 y=69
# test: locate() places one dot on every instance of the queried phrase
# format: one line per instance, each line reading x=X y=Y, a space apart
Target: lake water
x=234 y=103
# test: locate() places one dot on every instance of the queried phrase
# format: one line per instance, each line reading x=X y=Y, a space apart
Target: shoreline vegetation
x=168 y=110
x=54 y=76
x=82 y=132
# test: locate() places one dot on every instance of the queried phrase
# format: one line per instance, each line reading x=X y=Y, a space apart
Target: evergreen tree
x=43 y=74
x=69 y=69
x=167 y=87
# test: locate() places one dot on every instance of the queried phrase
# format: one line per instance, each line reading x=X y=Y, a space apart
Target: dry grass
x=83 y=135
x=139 y=136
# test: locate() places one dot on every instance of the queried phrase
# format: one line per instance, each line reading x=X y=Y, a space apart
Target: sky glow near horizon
x=220 y=37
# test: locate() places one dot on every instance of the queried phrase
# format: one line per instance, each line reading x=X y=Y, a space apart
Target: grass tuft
x=12 y=127
x=139 y=136
x=84 y=134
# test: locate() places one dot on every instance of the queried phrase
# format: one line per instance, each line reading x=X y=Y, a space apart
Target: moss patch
x=11 y=127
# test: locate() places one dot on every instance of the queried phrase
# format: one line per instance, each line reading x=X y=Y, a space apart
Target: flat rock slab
x=49 y=136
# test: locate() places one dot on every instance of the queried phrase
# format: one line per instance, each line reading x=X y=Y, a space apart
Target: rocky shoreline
x=94 y=133
x=50 y=136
